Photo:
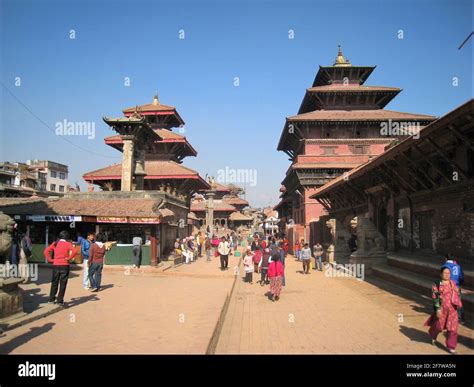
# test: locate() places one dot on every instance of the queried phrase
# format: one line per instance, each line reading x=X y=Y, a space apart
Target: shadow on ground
x=423 y=337
x=10 y=345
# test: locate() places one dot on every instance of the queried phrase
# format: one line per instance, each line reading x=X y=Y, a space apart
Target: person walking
x=275 y=273
x=254 y=245
x=234 y=240
x=63 y=252
x=137 y=251
x=199 y=243
x=297 y=250
x=263 y=266
x=187 y=254
x=229 y=241
x=274 y=249
x=257 y=256
x=85 y=251
x=248 y=267
x=215 y=242
x=191 y=248
x=96 y=262
x=224 y=250
x=207 y=247
x=285 y=245
x=282 y=260
x=306 y=258
x=446 y=301
x=25 y=248
x=15 y=249
x=318 y=256
x=457 y=275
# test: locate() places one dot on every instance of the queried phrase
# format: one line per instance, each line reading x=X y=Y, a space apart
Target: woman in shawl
x=275 y=272
x=446 y=301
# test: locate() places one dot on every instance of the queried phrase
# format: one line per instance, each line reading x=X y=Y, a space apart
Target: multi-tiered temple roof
x=164 y=151
x=339 y=98
x=338 y=127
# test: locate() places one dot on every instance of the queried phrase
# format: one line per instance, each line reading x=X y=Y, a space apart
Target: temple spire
x=156 y=102
x=340 y=60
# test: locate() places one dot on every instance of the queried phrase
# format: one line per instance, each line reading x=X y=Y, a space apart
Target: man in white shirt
x=224 y=249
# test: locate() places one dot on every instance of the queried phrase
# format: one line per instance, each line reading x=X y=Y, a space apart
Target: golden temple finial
x=155 y=100
x=340 y=60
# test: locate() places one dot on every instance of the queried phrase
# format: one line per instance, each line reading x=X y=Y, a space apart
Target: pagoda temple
x=338 y=127
x=147 y=195
x=227 y=206
x=152 y=157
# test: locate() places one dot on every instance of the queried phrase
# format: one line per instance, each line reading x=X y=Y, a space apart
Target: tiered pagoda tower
x=152 y=153
x=227 y=205
x=337 y=128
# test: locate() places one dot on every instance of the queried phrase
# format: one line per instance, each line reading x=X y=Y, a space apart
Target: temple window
x=329 y=150
x=359 y=150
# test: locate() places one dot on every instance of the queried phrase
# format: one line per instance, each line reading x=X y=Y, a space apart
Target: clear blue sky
x=234 y=127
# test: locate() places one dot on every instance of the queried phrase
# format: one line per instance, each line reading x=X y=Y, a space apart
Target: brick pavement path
x=174 y=312
x=319 y=314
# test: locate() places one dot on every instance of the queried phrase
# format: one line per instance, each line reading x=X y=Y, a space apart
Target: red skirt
x=275 y=285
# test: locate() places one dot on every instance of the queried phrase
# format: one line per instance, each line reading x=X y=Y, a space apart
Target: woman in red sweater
x=63 y=252
x=275 y=273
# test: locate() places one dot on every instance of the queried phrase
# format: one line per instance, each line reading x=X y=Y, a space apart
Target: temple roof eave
x=322 y=79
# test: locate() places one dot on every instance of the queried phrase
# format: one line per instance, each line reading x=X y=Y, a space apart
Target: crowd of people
x=21 y=251
x=305 y=254
x=204 y=243
x=265 y=255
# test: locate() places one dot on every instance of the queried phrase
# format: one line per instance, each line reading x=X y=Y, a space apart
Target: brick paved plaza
x=173 y=312
x=177 y=311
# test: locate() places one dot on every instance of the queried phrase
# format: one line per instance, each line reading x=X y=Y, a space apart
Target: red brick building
x=340 y=125
x=414 y=203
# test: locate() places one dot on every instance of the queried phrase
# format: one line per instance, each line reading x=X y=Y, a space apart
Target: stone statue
x=370 y=245
x=212 y=181
x=6 y=229
x=339 y=249
x=11 y=300
x=369 y=240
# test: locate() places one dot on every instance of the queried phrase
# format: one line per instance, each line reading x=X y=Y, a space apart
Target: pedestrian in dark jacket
x=96 y=262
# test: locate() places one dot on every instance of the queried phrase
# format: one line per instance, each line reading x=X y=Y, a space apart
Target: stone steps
x=416 y=282
x=429 y=268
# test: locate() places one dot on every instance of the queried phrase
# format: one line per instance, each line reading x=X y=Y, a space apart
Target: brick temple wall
x=452 y=228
